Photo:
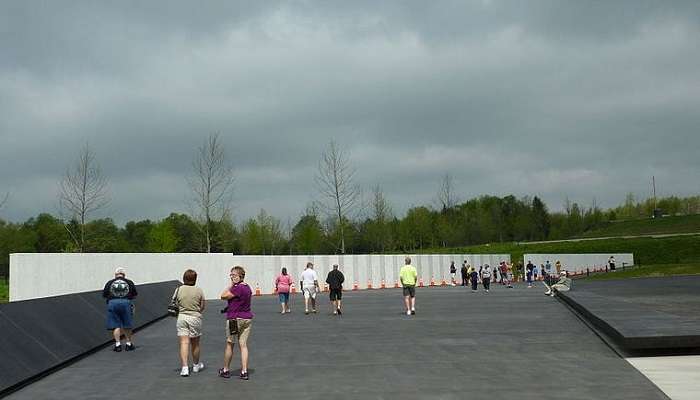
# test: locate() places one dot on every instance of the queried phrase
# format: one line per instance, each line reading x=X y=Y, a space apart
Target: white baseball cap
x=120 y=270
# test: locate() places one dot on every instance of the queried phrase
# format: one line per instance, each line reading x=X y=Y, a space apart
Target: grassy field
x=4 y=291
x=647 y=251
x=649 y=271
x=680 y=224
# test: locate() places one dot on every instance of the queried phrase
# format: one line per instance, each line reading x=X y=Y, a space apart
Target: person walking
x=473 y=277
x=486 y=277
x=465 y=273
x=453 y=273
x=408 y=276
x=191 y=304
x=503 y=271
x=519 y=270
x=119 y=293
x=335 y=281
x=611 y=263
x=309 y=286
x=239 y=319
x=283 y=285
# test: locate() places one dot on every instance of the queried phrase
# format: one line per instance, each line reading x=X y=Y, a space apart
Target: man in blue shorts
x=119 y=293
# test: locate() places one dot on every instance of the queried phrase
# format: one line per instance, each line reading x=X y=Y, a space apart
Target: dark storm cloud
x=560 y=99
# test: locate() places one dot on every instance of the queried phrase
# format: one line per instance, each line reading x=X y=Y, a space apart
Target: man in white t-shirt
x=486 y=277
x=309 y=286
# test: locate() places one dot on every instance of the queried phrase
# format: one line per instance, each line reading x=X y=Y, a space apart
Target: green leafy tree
x=137 y=234
x=161 y=238
x=540 y=219
x=103 y=236
x=14 y=238
x=307 y=235
x=189 y=239
x=51 y=235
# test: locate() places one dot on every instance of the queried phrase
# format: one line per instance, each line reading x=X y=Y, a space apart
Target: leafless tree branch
x=212 y=185
x=83 y=191
x=446 y=194
x=381 y=210
x=335 y=181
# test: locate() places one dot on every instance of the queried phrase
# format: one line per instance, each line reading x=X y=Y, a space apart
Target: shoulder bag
x=174 y=306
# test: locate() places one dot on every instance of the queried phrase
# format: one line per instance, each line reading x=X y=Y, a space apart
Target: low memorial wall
x=37 y=336
x=579 y=263
x=34 y=275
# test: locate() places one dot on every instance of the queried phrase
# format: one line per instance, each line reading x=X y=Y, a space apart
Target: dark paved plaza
x=507 y=344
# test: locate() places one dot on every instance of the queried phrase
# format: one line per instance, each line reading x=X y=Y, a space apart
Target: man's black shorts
x=409 y=291
x=336 y=294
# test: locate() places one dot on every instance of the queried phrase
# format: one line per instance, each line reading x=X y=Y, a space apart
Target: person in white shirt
x=611 y=263
x=486 y=277
x=309 y=286
x=562 y=285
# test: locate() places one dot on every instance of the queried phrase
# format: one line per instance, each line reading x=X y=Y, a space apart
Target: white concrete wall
x=34 y=275
x=579 y=262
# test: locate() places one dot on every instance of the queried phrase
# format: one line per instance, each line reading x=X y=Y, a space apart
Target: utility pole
x=653 y=186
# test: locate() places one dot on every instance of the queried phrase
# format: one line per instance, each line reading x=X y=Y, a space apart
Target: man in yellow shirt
x=408 y=276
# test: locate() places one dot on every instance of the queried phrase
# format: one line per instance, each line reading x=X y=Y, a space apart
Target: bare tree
x=341 y=195
x=446 y=195
x=212 y=185
x=381 y=214
x=381 y=210
x=83 y=191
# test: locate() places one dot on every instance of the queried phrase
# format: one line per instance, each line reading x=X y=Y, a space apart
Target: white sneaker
x=408 y=312
x=198 y=367
x=185 y=371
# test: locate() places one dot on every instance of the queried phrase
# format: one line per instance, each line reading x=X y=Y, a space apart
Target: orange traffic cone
x=257 y=289
x=325 y=287
x=432 y=281
x=355 y=286
x=396 y=284
x=294 y=288
x=443 y=283
x=420 y=282
x=369 y=284
x=383 y=284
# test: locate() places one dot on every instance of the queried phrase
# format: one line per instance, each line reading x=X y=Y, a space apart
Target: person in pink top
x=283 y=285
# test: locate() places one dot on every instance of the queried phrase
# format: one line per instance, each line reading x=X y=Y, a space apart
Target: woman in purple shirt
x=238 y=320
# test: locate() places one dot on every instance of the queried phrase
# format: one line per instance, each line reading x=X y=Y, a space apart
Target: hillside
x=650 y=226
x=666 y=250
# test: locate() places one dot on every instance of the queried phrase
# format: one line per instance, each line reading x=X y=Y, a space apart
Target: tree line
x=343 y=220
x=485 y=219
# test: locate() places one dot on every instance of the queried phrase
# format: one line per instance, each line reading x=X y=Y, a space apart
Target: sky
x=559 y=99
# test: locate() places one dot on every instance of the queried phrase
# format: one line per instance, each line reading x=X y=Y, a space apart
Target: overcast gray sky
x=558 y=99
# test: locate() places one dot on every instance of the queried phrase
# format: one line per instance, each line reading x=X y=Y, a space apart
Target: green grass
x=4 y=291
x=649 y=271
x=665 y=225
x=647 y=251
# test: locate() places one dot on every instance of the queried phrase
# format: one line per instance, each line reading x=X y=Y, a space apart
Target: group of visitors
x=190 y=300
x=485 y=274
x=310 y=289
x=190 y=303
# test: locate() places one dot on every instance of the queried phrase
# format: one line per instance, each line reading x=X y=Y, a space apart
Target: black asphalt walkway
x=508 y=344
